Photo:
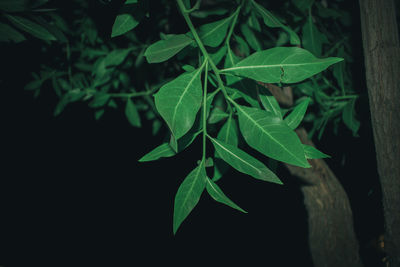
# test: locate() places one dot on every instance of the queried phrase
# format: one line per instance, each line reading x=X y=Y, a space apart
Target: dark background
x=74 y=192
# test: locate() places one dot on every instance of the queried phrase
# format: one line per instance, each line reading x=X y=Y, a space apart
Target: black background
x=73 y=191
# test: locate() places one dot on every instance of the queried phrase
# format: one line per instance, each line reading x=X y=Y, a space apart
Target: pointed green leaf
x=313 y=153
x=295 y=117
x=162 y=151
x=217 y=115
x=116 y=57
x=271 y=136
x=179 y=101
x=269 y=102
x=216 y=193
x=10 y=34
x=165 y=49
x=243 y=162
x=349 y=117
x=271 y=21
x=122 y=24
x=100 y=99
x=219 y=55
x=30 y=27
x=312 y=38
x=281 y=64
x=250 y=37
x=188 y=194
x=229 y=132
x=132 y=114
x=212 y=34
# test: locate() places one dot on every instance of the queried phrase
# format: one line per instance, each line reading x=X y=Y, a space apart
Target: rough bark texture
x=332 y=239
x=382 y=66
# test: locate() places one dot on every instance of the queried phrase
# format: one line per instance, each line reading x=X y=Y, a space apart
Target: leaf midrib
x=270 y=136
x=179 y=45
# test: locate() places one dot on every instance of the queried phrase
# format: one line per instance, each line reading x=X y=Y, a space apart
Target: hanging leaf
x=162 y=151
x=229 y=132
x=216 y=193
x=349 y=117
x=243 y=162
x=269 y=102
x=217 y=115
x=295 y=117
x=188 y=194
x=165 y=49
x=179 y=101
x=313 y=153
x=271 y=21
x=132 y=114
x=271 y=136
x=10 y=34
x=250 y=37
x=30 y=27
x=312 y=38
x=281 y=64
x=212 y=34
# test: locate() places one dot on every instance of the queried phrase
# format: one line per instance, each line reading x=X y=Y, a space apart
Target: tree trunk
x=382 y=66
x=332 y=239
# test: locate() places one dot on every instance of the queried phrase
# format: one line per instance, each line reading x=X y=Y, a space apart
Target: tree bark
x=332 y=239
x=382 y=66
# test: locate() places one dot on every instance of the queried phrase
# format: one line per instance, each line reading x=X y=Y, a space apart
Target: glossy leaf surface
x=281 y=64
x=179 y=101
x=162 y=151
x=165 y=49
x=188 y=194
x=271 y=136
x=216 y=193
x=243 y=162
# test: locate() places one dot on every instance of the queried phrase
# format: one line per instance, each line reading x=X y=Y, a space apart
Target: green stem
x=344 y=97
x=236 y=15
x=205 y=111
x=202 y=47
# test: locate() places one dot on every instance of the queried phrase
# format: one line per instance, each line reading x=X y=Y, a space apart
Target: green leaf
x=212 y=34
x=30 y=27
x=131 y=2
x=339 y=70
x=132 y=114
x=269 y=102
x=7 y=33
x=216 y=193
x=217 y=115
x=272 y=22
x=125 y=22
x=313 y=153
x=219 y=55
x=281 y=64
x=295 y=117
x=162 y=151
x=349 y=117
x=243 y=162
x=100 y=99
x=165 y=49
x=188 y=194
x=179 y=101
x=271 y=136
x=116 y=57
x=303 y=5
x=250 y=37
x=229 y=132
x=312 y=38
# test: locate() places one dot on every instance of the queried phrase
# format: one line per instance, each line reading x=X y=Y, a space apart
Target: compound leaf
x=243 y=162
x=281 y=64
x=179 y=101
x=271 y=136
x=216 y=193
x=188 y=194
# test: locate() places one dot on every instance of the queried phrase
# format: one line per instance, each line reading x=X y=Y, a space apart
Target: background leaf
x=163 y=150
x=349 y=117
x=30 y=27
x=132 y=114
x=165 y=49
